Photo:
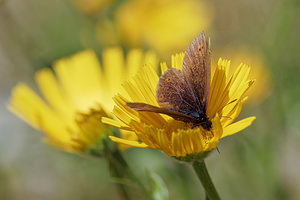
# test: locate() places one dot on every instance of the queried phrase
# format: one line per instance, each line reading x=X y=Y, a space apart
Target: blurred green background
x=261 y=162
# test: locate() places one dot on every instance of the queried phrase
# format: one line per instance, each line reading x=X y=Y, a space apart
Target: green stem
x=202 y=173
x=123 y=191
x=117 y=172
x=130 y=174
x=120 y=169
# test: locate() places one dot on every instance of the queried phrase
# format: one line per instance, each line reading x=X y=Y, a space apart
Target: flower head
x=76 y=96
x=177 y=138
x=162 y=25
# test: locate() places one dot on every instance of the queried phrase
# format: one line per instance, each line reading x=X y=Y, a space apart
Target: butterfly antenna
x=229 y=103
x=218 y=150
x=225 y=106
x=226 y=117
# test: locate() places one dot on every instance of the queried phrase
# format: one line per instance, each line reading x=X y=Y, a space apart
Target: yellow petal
x=26 y=104
x=133 y=62
x=117 y=124
x=237 y=126
x=128 y=142
x=151 y=59
x=83 y=86
x=129 y=135
x=114 y=67
x=231 y=114
x=52 y=92
x=238 y=79
x=163 y=67
x=219 y=94
x=177 y=60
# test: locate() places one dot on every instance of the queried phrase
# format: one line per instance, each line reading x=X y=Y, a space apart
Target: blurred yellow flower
x=259 y=69
x=164 y=25
x=92 y=7
x=176 y=138
x=76 y=96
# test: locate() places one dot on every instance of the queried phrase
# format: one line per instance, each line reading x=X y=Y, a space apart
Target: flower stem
x=202 y=173
x=123 y=189
x=120 y=170
x=129 y=173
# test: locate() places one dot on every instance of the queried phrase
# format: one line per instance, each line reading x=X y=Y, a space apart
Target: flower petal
x=26 y=104
x=54 y=95
x=117 y=124
x=114 y=66
x=128 y=142
x=230 y=115
x=237 y=126
x=219 y=94
x=83 y=87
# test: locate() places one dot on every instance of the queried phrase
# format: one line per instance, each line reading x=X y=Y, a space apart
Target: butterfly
x=184 y=94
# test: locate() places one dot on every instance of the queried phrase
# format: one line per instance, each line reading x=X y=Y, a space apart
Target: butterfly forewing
x=173 y=92
x=172 y=113
x=196 y=70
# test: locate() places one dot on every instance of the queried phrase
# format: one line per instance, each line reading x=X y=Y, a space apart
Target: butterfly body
x=184 y=94
x=200 y=118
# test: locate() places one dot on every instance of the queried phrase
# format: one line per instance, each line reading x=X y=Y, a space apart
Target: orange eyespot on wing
x=196 y=69
x=161 y=97
x=168 y=79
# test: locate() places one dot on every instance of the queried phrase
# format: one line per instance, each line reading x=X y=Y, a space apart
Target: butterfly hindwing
x=196 y=69
x=173 y=92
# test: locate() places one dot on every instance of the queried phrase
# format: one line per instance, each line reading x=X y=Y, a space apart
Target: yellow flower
x=92 y=7
x=164 y=25
x=259 y=69
x=176 y=138
x=76 y=96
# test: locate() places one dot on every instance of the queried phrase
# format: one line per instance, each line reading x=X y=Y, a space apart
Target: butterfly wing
x=172 y=113
x=181 y=93
x=173 y=92
x=196 y=69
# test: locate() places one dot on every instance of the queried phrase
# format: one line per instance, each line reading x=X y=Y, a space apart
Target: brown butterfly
x=184 y=94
